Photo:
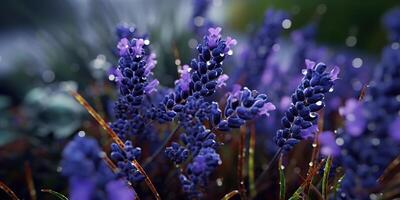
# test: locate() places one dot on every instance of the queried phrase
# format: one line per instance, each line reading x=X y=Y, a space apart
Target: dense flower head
x=240 y=107
x=123 y=159
x=88 y=175
x=365 y=155
x=260 y=47
x=301 y=118
x=201 y=78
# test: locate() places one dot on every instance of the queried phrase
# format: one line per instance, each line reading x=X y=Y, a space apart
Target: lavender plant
x=301 y=119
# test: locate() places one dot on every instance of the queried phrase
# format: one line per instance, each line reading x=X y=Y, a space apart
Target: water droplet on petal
x=318 y=103
x=331 y=90
x=304 y=71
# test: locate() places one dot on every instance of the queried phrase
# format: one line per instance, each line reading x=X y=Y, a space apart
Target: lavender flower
x=301 y=118
x=260 y=48
x=241 y=107
x=366 y=155
x=328 y=144
x=88 y=174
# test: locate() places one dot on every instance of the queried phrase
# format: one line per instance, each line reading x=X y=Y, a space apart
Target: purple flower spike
x=355 y=120
x=123 y=46
x=309 y=64
x=394 y=129
x=266 y=108
x=213 y=36
x=328 y=144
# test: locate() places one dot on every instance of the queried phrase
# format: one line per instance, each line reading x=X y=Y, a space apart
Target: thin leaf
x=337 y=185
x=115 y=138
x=252 y=185
x=282 y=180
x=325 y=178
x=7 y=190
x=58 y=195
x=297 y=194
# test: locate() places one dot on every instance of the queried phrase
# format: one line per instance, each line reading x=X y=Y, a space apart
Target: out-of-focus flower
x=328 y=144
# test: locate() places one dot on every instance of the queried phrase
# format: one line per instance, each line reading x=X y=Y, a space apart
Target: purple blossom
x=81 y=188
x=309 y=64
x=119 y=190
x=355 y=120
x=266 y=108
x=334 y=73
x=213 y=36
x=151 y=87
x=221 y=81
x=394 y=129
x=150 y=64
x=328 y=144
x=185 y=79
x=123 y=46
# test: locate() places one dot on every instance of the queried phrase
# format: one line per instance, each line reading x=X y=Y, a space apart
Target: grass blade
x=54 y=193
x=230 y=195
x=252 y=185
x=325 y=177
x=282 y=180
x=115 y=138
x=7 y=190
x=337 y=185
x=241 y=154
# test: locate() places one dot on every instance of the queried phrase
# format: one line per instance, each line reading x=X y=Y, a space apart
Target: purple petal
x=152 y=86
x=221 y=81
x=334 y=73
x=123 y=46
x=266 y=108
x=309 y=64
x=394 y=129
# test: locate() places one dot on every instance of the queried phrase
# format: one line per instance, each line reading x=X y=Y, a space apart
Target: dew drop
x=313 y=114
x=146 y=42
x=304 y=71
x=282 y=167
x=219 y=181
x=314 y=145
x=230 y=52
x=331 y=90
x=318 y=103
x=221 y=54
x=311 y=164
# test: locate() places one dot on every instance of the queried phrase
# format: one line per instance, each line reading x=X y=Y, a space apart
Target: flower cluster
x=134 y=71
x=82 y=162
x=370 y=147
x=300 y=120
x=260 y=48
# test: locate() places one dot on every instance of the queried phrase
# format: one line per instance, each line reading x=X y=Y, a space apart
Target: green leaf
x=282 y=180
x=58 y=195
x=297 y=194
x=337 y=185
x=325 y=178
